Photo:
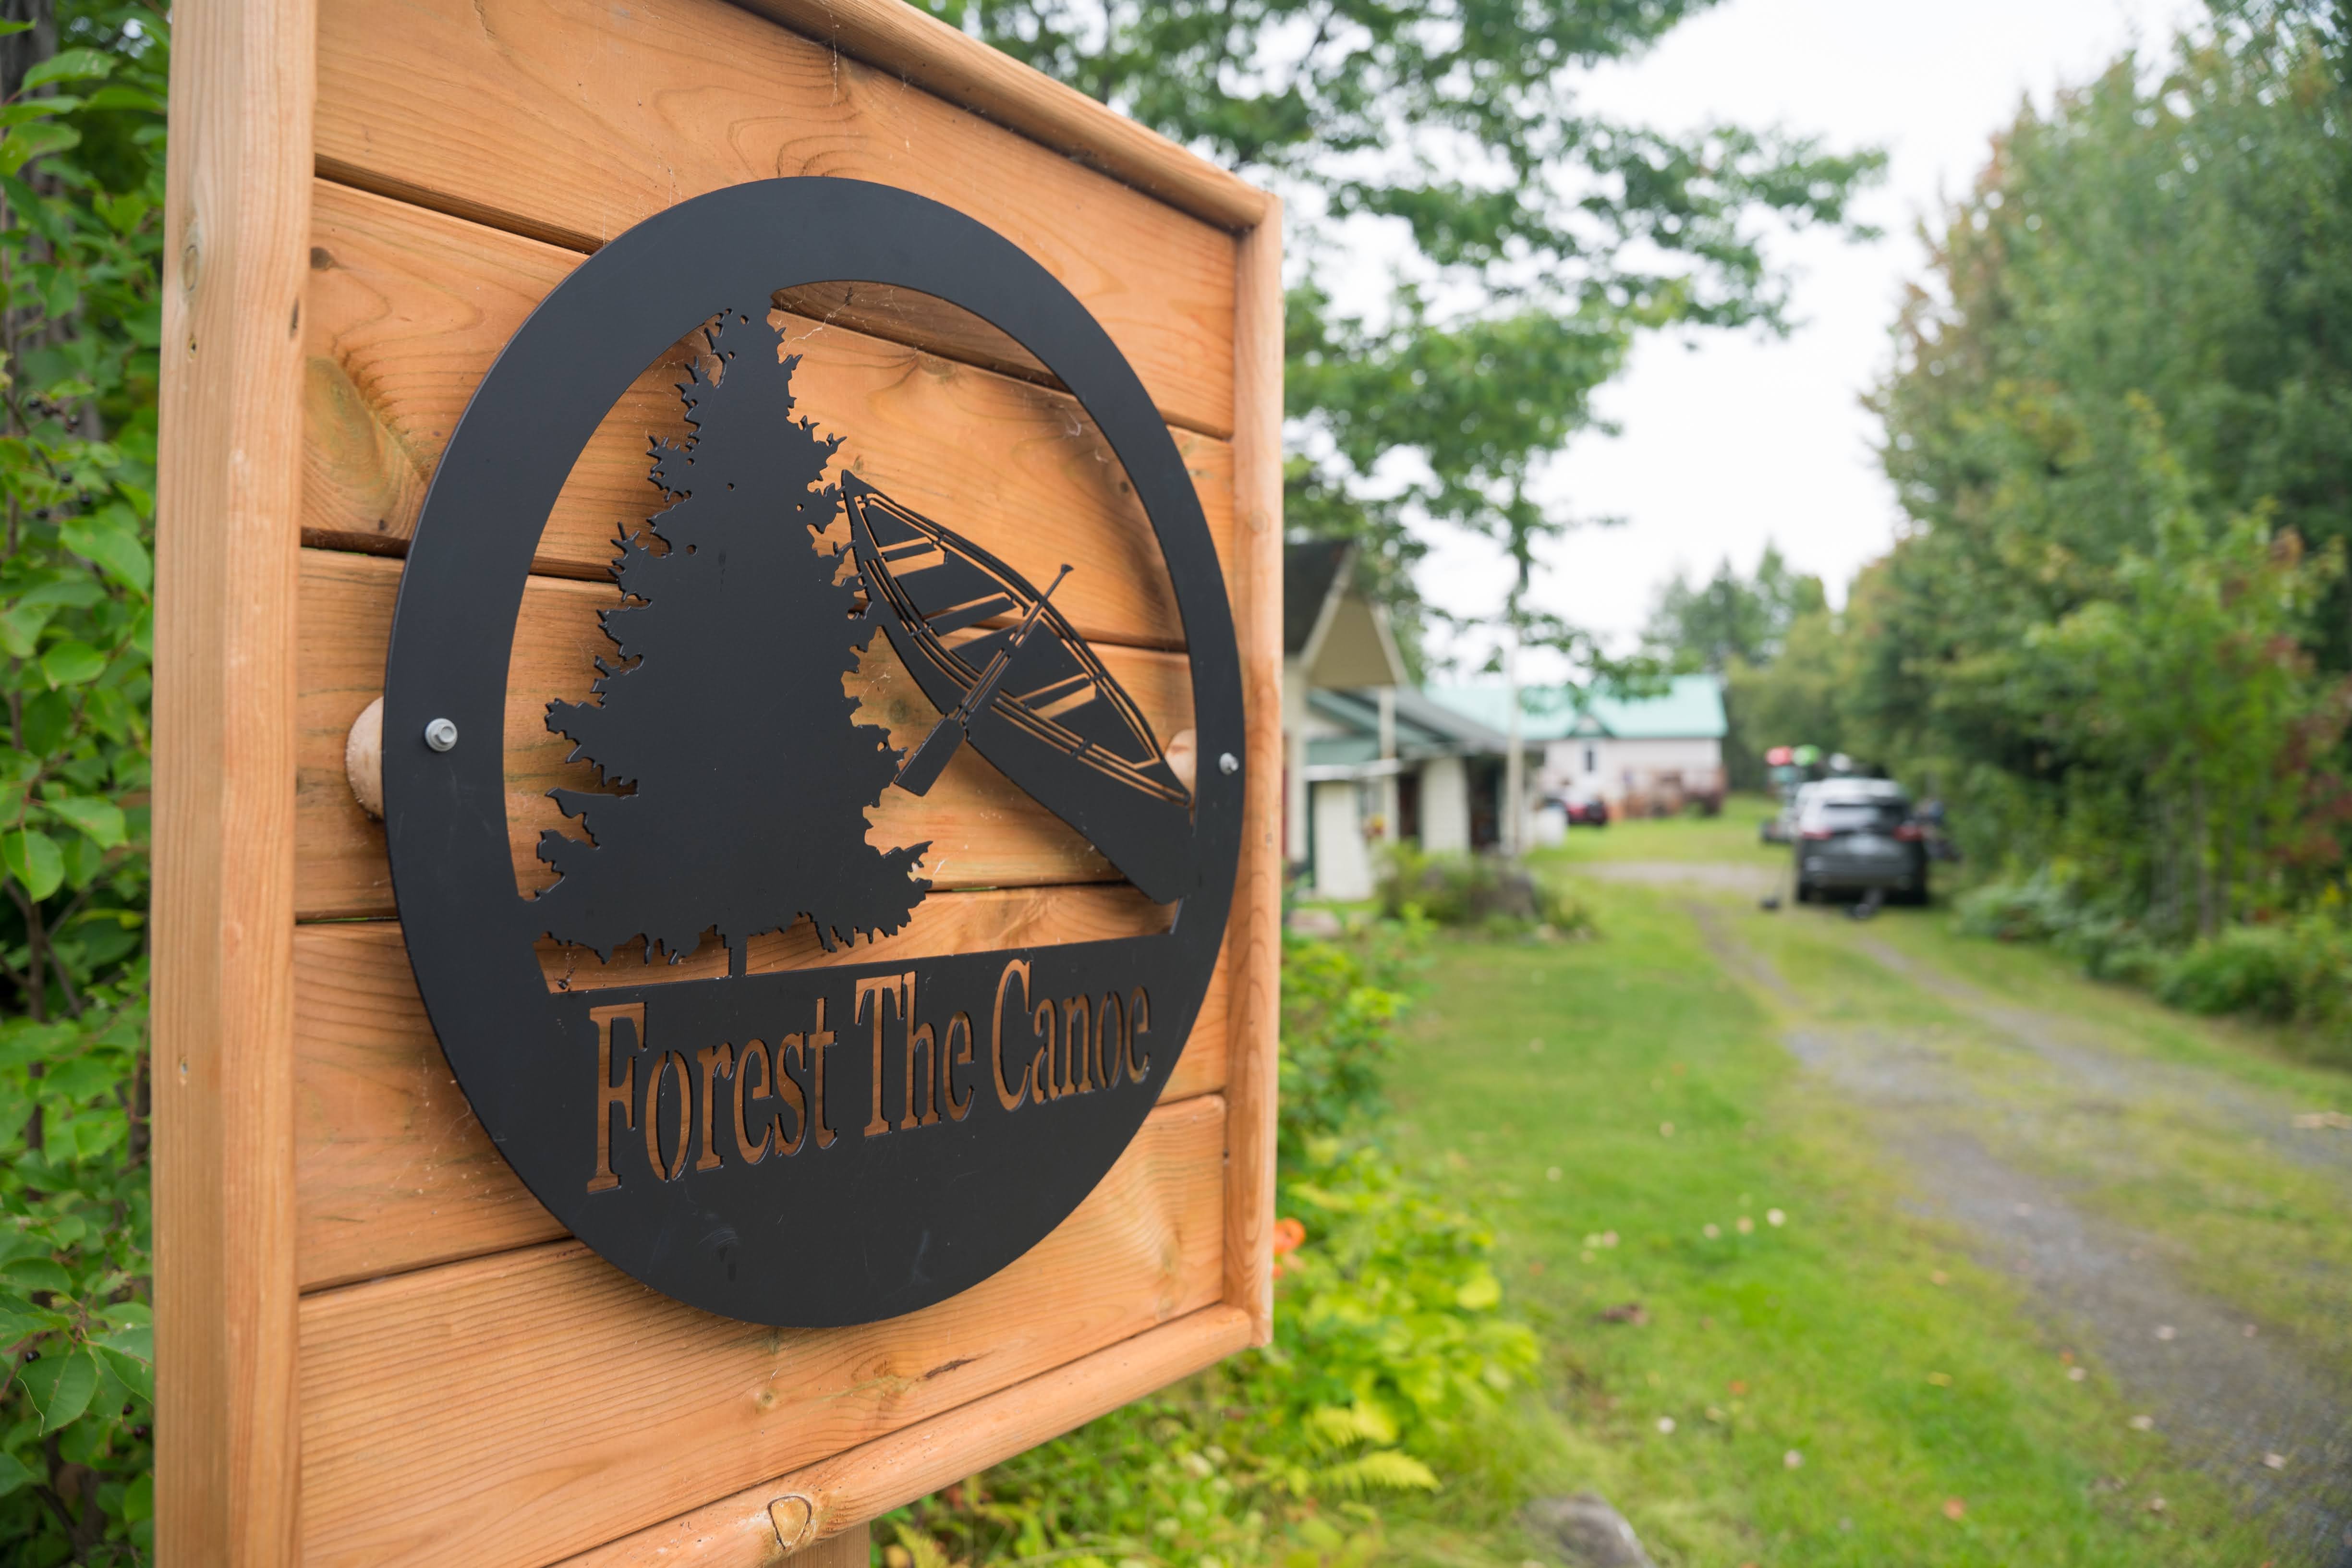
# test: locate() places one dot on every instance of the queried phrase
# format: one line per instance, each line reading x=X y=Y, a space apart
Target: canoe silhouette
x=1055 y=721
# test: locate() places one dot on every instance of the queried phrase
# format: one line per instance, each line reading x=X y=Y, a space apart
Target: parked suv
x=1857 y=835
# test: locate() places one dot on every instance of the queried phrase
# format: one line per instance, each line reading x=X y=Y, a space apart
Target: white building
x=1369 y=760
x=1333 y=638
x=1647 y=756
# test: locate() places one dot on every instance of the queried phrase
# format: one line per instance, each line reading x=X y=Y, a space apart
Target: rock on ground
x=1587 y=1531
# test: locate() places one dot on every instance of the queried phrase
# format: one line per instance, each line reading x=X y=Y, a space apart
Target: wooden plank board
x=407 y=309
x=916 y=46
x=395 y=1174
x=571 y=121
x=983 y=831
x=1254 y=937
x=235 y=220
x=840 y=1494
x=507 y=1411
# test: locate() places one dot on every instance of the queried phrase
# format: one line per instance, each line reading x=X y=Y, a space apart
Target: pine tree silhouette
x=750 y=773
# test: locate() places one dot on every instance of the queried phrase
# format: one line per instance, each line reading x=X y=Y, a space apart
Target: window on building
x=1592 y=760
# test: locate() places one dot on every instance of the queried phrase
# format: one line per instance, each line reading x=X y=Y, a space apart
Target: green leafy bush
x=2035 y=910
x=81 y=177
x=2246 y=969
x=1340 y=1002
x=1392 y=1353
x=1483 y=893
x=2296 y=972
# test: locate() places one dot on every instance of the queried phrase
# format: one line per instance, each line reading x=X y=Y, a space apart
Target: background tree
x=1730 y=619
x=1737 y=628
x=2115 y=631
x=1534 y=236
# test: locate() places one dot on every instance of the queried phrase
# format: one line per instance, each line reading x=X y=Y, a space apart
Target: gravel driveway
x=2232 y=1395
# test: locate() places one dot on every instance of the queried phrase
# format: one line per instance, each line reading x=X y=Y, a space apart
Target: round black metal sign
x=819 y=1146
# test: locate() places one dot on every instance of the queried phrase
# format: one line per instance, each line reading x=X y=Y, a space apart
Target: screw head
x=1228 y=764
x=441 y=734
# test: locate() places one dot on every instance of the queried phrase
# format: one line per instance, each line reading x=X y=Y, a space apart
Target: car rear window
x=1861 y=814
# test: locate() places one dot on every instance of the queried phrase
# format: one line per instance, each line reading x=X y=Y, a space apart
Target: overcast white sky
x=1734 y=439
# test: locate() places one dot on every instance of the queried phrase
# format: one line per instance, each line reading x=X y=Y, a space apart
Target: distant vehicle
x=1592 y=813
x=1857 y=835
x=1781 y=827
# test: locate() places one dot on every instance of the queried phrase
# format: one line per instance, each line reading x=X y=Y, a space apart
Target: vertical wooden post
x=852 y=1548
x=236 y=229
x=1254 y=945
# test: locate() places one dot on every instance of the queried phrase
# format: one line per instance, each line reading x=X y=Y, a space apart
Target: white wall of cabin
x=1444 y=806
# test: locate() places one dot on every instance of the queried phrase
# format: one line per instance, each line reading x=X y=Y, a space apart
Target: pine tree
x=724 y=718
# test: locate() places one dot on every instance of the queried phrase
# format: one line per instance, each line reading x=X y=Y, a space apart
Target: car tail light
x=1817 y=833
x=1911 y=833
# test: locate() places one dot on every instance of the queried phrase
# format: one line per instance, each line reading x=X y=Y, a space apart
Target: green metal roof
x=1691 y=710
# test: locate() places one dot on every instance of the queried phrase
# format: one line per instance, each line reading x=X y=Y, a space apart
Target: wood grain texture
x=1254 y=937
x=911 y=44
x=508 y=1411
x=407 y=309
x=983 y=831
x=571 y=121
x=842 y=1492
x=851 y=1549
x=237 y=219
x=395 y=1174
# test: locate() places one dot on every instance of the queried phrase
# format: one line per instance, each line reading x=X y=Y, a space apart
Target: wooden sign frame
x=300 y=1373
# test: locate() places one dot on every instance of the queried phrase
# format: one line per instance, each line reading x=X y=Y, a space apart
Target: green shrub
x=1390 y=1350
x=2246 y=969
x=2297 y=972
x=1340 y=1001
x=2035 y=910
x=1488 y=893
x=1392 y=1355
x=83 y=184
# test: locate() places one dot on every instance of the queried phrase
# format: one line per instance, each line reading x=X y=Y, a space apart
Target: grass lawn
x=1841 y=1385
x=1731 y=837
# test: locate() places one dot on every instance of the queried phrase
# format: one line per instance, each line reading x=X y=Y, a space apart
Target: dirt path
x=2232 y=1399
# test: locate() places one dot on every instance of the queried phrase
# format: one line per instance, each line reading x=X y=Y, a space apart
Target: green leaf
x=77 y=1078
x=37 y=1273
x=122 y=213
x=22 y=143
x=60 y=1386
x=1482 y=1290
x=84 y=861
x=72 y=664
x=130 y=1353
x=73 y=589
x=70 y=65
x=22 y=1043
x=16 y=1327
x=111 y=540
x=49 y=720
x=118 y=97
x=13 y=1473
x=33 y=109
x=10 y=29
x=101 y=819
x=20 y=628
x=33 y=858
